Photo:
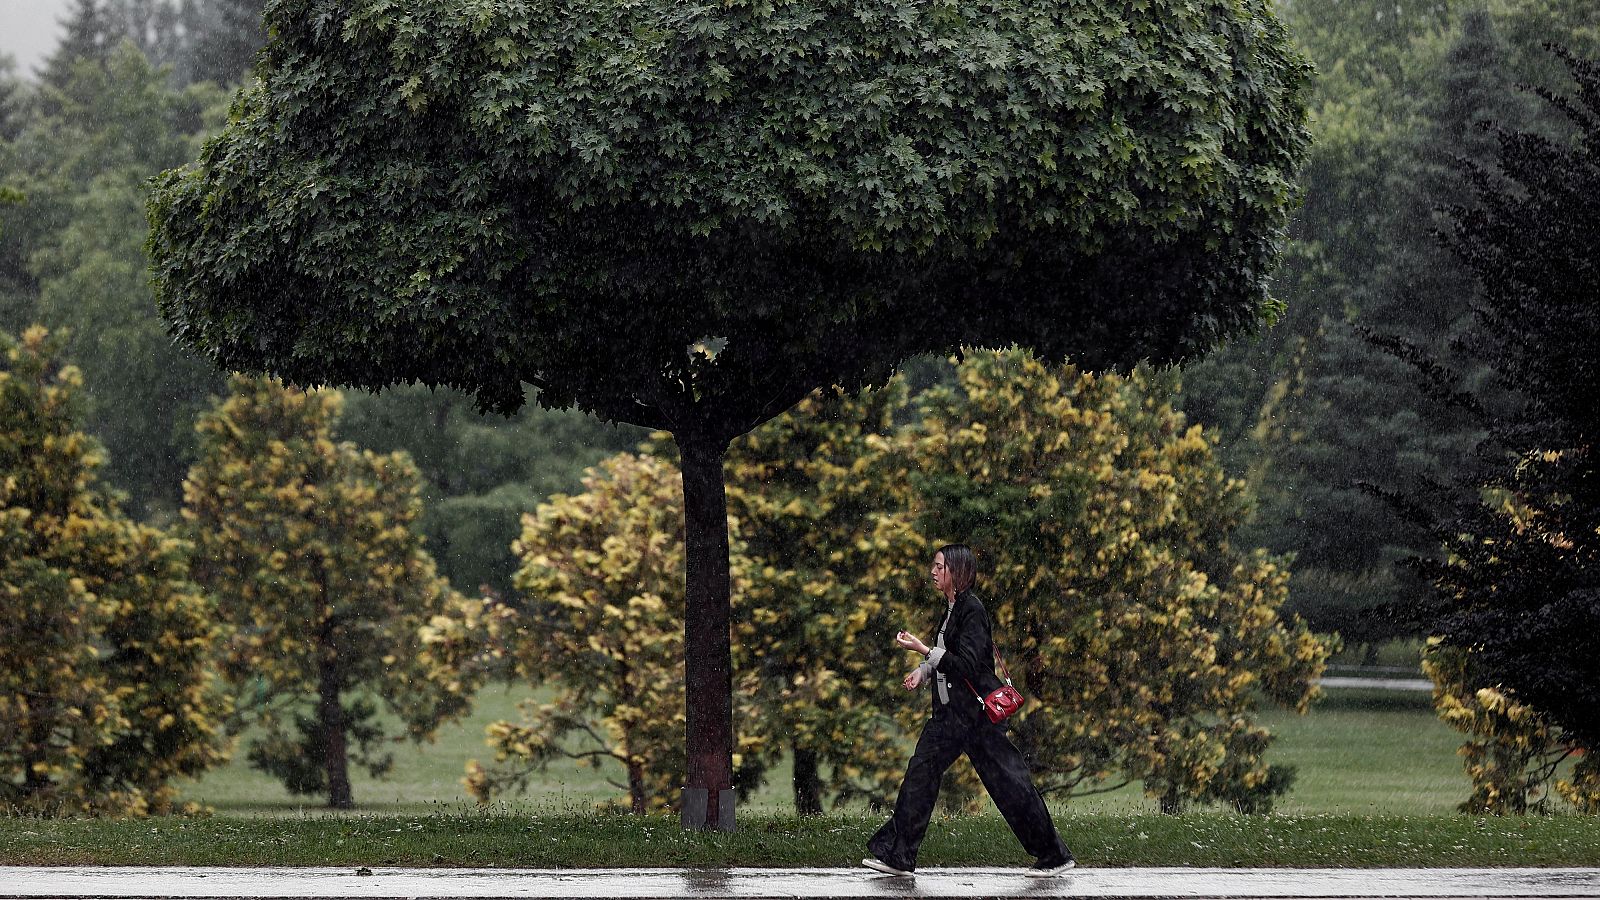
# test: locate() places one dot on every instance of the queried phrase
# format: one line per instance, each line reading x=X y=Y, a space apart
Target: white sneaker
x=1040 y=870
x=872 y=862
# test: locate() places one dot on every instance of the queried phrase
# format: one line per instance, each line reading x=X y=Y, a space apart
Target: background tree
x=86 y=35
x=197 y=40
x=81 y=160
x=106 y=645
x=311 y=549
x=221 y=39
x=1144 y=634
x=1363 y=419
x=1310 y=408
x=16 y=301
x=481 y=473
x=552 y=177
x=1516 y=591
x=815 y=623
x=602 y=584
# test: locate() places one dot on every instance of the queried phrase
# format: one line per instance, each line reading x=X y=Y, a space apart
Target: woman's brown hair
x=961 y=564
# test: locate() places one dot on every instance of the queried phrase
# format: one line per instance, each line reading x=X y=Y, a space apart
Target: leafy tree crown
x=756 y=198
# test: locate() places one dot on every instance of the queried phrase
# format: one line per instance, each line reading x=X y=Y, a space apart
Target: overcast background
x=29 y=30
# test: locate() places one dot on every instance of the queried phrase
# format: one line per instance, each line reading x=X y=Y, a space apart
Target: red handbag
x=1004 y=700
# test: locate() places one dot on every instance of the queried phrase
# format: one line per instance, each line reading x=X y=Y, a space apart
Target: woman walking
x=961 y=667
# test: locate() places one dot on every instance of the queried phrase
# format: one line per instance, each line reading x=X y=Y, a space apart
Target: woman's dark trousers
x=1004 y=774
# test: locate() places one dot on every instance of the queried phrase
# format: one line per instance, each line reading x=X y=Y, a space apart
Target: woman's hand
x=914 y=680
x=909 y=641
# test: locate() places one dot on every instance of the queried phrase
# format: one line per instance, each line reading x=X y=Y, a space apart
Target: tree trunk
x=636 y=785
x=331 y=716
x=707 y=648
x=807 y=783
x=636 y=797
x=1171 y=801
x=34 y=782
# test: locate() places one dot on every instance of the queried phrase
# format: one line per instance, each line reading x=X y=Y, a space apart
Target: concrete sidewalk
x=755 y=884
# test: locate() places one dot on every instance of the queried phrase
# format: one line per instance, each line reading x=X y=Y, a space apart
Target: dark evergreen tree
x=17 y=286
x=86 y=35
x=1366 y=421
x=154 y=26
x=13 y=93
x=94 y=28
x=1331 y=409
x=1517 y=587
x=1255 y=394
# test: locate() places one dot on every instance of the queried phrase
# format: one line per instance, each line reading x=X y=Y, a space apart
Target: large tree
x=688 y=217
x=1516 y=592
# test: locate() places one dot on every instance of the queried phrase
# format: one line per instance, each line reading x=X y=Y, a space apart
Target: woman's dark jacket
x=968 y=658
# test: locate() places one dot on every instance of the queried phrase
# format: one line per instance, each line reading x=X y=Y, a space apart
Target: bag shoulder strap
x=1006 y=673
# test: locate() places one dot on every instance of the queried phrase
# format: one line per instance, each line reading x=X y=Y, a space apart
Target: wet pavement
x=754 y=884
x=1385 y=684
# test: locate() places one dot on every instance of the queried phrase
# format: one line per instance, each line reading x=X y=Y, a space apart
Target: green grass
x=1357 y=753
x=1369 y=752
x=573 y=839
x=1378 y=784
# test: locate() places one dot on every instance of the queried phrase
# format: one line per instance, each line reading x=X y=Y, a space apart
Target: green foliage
x=1512 y=751
x=74 y=256
x=497 y=195
x=86 y=36
x=1529 y=24
x=109 y=692
x=1364 y=420
x=480 y=472
x=1145 y=635
x=312 y=550
x=602 y=581
x=552 y=179
x=1312 y=409
x=16 y=302
x=814 y=621
x=1513 y=594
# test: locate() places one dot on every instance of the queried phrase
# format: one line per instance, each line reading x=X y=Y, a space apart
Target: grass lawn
x=564 y=839
x=1378 y=783
x=1357 y=752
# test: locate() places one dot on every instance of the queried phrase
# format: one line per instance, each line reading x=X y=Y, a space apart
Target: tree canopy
x=480 y=196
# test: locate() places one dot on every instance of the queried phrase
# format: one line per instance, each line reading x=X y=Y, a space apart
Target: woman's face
x=941 y=575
